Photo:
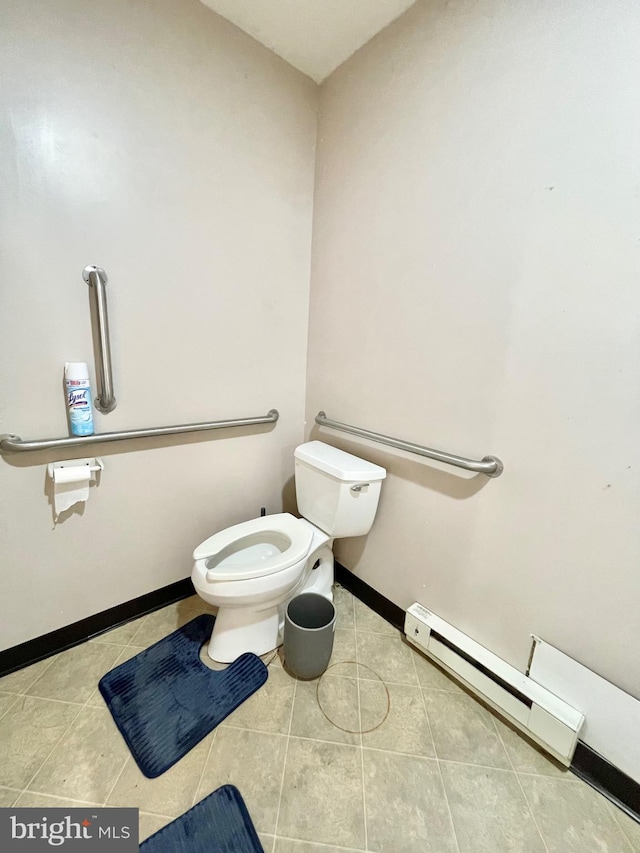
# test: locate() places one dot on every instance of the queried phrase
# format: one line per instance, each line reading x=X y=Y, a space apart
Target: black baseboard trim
x=615 y=785
x=57 y=641
x=587 y=764
x=370 y=596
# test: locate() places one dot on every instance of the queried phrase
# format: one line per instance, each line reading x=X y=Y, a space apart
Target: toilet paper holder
x=92 y=463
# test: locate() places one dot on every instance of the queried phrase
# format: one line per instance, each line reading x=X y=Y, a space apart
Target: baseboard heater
x=541 y=715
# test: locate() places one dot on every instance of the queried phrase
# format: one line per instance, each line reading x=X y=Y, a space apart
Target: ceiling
x=315 y=36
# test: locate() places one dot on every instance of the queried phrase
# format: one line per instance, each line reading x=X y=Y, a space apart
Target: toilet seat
x=255 y=548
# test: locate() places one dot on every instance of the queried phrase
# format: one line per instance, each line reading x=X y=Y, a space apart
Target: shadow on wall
x=289 y=502
x=455 y=483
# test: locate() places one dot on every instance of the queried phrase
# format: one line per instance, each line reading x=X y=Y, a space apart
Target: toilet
x=252 y=570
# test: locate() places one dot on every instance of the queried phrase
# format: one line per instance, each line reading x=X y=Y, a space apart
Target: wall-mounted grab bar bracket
x=489 y=465
x=96 y=278
x=493 y=460
x=86 y=273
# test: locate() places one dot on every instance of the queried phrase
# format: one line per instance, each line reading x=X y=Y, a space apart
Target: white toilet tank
x=336 y=491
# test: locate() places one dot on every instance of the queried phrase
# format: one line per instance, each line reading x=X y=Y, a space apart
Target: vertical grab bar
x=96 y=278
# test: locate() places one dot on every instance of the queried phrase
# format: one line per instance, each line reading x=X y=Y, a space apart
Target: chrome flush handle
x=359 y=487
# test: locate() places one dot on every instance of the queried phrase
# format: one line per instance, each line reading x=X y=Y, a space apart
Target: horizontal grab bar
x=14 y=444
x=489 y=465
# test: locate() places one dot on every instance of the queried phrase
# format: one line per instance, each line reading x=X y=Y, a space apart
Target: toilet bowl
x=252 y=570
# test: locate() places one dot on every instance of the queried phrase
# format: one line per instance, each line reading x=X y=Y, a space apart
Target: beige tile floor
x=440 y=774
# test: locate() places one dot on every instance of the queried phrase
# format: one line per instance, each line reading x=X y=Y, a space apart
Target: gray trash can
x=309 y=626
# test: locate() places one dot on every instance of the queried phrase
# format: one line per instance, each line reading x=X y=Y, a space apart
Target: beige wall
x=160 y=142
x=475 y=288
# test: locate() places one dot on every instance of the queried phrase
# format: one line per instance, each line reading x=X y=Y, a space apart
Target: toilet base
x=241 y=629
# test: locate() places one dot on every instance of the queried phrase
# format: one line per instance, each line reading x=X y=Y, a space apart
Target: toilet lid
x=255 y=548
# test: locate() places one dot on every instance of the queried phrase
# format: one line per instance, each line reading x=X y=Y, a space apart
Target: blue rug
x=218 y=824
x=165 y=700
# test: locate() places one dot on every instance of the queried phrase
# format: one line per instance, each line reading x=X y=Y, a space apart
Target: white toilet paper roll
x=70 y=486
x=72 y=474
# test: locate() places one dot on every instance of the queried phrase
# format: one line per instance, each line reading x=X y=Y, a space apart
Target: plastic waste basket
x=309 y=627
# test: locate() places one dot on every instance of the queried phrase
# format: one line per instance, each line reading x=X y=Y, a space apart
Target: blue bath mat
x=218 y=824
x=165 y=700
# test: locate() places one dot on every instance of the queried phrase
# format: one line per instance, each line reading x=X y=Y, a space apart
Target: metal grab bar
x=96 y=278
x=14 y=444
x=489 y=465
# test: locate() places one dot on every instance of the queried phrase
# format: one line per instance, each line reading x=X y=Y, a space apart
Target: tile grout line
x=284 y=763
x=614 y=810
x=31 y=683
x=117 y=779
x=204 y=767
x=155 y=814
x=392 y=683
x=15 y=697
x=435 y=752
x=80 y=803
x=493 y=767
x=569 y=779
x=321 y=844
x=139 y=628
x=426 y=712
x=395 y=633
x=79 y=705
x=16 y=791
x=360 y=737
x=499 y=736
x=524 y=794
